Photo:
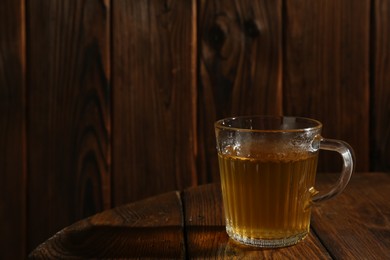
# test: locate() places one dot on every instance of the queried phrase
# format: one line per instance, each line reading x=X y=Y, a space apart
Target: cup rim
x=219 y=124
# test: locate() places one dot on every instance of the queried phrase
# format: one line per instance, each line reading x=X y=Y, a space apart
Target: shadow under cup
x=267 y=168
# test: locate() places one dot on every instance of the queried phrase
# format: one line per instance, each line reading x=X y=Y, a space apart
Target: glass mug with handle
x=268 y=166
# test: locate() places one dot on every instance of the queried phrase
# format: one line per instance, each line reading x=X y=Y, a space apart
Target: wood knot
x=216 y=37
x=251 y=30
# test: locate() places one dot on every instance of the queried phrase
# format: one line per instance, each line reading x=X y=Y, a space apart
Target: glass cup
x=268 y=168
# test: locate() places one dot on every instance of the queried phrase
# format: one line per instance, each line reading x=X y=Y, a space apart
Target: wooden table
x=189 y=224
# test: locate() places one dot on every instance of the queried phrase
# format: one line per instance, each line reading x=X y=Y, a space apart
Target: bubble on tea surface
x=228 y=150
x=280 y=150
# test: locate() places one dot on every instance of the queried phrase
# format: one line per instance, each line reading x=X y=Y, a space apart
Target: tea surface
x=267 y=197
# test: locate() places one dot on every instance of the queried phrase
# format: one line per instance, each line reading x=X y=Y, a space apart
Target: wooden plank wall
x=12 y=130
x=240 y=67
x=106 y=102
x=326 y=70
x=68 y=122
x=380 y=86
x=154 y=95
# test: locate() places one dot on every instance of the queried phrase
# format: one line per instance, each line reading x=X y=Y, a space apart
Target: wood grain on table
x=190 y=224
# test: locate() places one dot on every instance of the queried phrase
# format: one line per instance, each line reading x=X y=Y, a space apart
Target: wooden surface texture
x=240 y=68
x=12 y=130
x=380 y=82
x=154 y=93
x=190 y=224
x=105 y=102
x=326 y=70
x=359 y=219
x=69 y=97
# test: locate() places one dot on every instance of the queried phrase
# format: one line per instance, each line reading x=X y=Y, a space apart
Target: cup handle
x=347 y=154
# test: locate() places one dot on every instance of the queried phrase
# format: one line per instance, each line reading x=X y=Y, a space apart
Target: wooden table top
x=190 y=224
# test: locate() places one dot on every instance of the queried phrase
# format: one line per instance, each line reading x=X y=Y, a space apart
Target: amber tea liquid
x=267 y=197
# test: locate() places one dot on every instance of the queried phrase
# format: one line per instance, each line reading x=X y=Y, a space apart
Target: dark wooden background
x=104 y=102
